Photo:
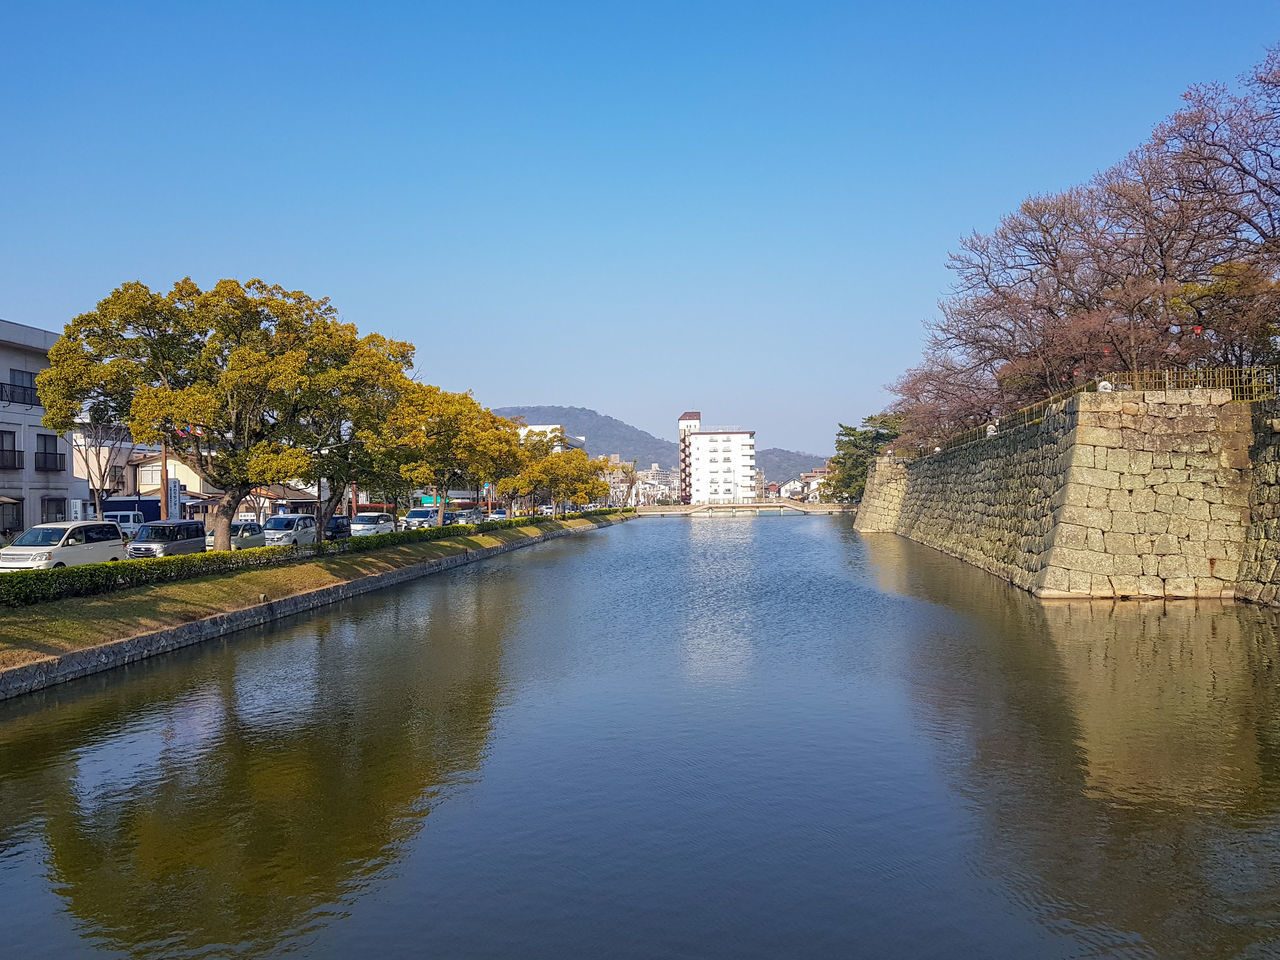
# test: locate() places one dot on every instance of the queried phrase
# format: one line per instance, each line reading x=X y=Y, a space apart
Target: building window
x=117 y=476
x=21 y=388
x=10 y=455
x=53 y=509
x=10 y=519
x=47 y=456
x=149 y=475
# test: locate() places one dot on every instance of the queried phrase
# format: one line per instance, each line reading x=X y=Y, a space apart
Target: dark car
x=338 y=528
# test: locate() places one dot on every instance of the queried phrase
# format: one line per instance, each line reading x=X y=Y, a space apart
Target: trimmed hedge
x=23 y=588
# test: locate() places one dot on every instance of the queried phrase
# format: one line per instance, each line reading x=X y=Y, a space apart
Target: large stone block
x=1151 y=586
x=1085 y=517
x=1126 y=586
x=1098 y=437
x=1070 y=535
x=1084 y=560
x=1123 y=521
x=1094 y=477
x=1129 y=566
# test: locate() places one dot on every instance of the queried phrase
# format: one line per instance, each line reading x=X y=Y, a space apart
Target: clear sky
x=743 y=208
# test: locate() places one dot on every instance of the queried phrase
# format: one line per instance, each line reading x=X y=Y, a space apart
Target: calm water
x=713 y=738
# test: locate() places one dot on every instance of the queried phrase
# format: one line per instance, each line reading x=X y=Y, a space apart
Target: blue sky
x=743 y=208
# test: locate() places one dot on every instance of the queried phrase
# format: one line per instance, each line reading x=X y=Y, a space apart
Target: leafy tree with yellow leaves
x=566 y=476
x=223 y=376
x=446 y=438
x=357 y=383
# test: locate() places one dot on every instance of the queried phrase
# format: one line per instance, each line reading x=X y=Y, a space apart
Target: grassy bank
x=50 y=629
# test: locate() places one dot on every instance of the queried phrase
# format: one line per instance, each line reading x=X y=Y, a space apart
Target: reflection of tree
x=244 y=838
x=1121 y=756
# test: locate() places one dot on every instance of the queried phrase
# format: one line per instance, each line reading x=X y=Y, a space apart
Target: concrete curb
x=30 y=677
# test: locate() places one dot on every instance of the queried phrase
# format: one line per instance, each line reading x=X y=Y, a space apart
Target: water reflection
x=1122 y=754
x=233 y=808
x=718 y=628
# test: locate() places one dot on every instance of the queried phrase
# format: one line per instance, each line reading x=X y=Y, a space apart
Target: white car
x=52 y=545
x=290 y=530
x=367 y=524
x=128 y=521
x=245 y=535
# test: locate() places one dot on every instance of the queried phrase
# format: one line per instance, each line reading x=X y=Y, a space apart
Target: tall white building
x=37 y=484
x=716 y=465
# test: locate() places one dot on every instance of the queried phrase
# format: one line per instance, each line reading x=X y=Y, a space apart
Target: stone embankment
x=49 y=671
x=1126 y=494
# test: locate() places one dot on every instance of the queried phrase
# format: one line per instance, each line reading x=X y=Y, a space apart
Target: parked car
x=244 y=536
x=497 y=515
x=367 y=524
x=419 y=517
x=338 y=528
x=546 y=510
x=128 y=521
x=468 y=516
x=290 y=530
x=167 y=538
x=51 y=545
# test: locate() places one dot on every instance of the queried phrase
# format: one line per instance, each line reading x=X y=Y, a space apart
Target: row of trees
x=253 y=384
x=1170 y=259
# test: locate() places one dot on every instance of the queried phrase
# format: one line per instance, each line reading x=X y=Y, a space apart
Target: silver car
x=167 y=538
x=290 y=530
x=245 y=535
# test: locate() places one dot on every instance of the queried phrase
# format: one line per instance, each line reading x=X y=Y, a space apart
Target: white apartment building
x=37 y=484
x=716 y=465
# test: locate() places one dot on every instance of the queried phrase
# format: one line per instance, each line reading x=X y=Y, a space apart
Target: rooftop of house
x=26 y=338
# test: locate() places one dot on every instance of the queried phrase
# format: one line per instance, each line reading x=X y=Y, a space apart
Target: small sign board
x=175 y=499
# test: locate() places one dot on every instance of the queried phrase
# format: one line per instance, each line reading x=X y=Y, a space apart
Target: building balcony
x=11 y=460
x=13 y=393
x=51 y=462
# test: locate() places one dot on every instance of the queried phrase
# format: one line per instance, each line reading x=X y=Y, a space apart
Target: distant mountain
x=606 y=435
x=779 y=465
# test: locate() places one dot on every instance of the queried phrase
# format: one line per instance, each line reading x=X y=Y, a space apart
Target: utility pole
x=164 y=479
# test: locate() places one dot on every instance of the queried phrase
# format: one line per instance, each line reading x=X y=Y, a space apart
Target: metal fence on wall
x=1247 y=385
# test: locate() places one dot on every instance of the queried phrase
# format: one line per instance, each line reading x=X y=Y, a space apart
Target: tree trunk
x=328 y=506
x=435 y=491
x=223 y=513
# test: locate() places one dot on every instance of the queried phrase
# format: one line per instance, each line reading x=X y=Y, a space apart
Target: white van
x=52 y=545
x=366 y=524
x=128 y=521
x=290 y=529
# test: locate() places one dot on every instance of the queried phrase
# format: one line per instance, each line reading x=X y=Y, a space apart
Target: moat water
x=724 y=738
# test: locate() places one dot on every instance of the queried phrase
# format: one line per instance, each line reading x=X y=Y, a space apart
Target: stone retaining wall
x=1110 y=495
x=1260 y=561
x=70 y=666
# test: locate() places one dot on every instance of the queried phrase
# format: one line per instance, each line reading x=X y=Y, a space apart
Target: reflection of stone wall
x=1165 y=697
x=1111 y=494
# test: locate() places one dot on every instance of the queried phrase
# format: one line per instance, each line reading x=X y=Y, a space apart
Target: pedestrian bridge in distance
x=779 y=508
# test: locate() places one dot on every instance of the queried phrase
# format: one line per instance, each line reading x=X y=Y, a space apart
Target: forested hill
x=779 y=465
x=606 y=435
